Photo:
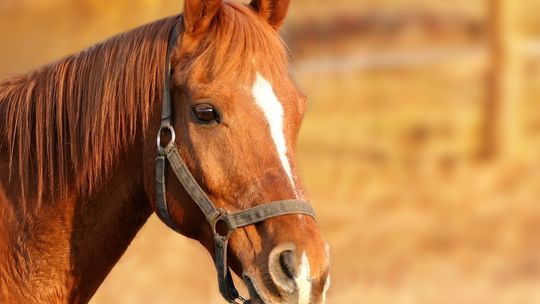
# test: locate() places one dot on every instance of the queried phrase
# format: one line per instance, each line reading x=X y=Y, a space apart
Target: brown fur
x=77 y=153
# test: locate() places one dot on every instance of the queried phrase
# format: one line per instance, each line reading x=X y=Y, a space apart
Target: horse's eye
x=205 y=113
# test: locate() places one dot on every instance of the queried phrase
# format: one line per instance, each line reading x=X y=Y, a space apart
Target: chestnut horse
x=78 y=155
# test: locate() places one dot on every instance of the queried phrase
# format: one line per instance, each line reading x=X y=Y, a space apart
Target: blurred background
x=420 y=149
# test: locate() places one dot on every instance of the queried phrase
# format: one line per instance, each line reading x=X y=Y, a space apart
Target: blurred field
x=393 y=149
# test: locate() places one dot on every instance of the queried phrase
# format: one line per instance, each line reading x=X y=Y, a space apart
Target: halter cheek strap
x=168 y=155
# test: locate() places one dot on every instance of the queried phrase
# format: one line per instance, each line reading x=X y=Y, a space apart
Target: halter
x=168 y=154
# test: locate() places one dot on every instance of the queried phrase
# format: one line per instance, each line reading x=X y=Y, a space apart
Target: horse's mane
x=74 y=117
x=77 y=114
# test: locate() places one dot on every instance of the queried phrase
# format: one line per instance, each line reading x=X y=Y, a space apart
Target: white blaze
x=303 y=282
x=268 y=102
x=326 y=287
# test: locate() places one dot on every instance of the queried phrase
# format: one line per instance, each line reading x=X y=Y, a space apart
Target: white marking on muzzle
x=268 y=102
x=303 y=282
x=327 y=282
x=325 y=289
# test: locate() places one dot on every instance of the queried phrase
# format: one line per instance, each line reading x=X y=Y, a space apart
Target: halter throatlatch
x=168 y=154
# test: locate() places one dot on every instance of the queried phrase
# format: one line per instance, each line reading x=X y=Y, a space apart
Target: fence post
x=503 y=119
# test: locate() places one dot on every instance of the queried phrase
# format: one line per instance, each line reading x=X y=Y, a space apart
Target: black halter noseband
x=169 y=154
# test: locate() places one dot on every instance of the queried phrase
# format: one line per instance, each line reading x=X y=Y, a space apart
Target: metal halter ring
x=172 y=140
x=222 y=218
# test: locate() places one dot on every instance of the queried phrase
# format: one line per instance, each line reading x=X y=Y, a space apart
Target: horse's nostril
x=283 y=267
x=287 y=260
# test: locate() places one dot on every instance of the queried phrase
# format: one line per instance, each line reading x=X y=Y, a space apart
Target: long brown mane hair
x=77 y=114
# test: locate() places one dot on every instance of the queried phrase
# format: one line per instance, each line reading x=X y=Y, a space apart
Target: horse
x=80 y=172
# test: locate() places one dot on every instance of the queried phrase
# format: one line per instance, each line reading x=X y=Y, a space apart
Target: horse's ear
x=273 y=11
x=198 y=15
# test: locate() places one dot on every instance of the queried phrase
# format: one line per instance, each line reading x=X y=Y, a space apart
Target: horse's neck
x=65 y=252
